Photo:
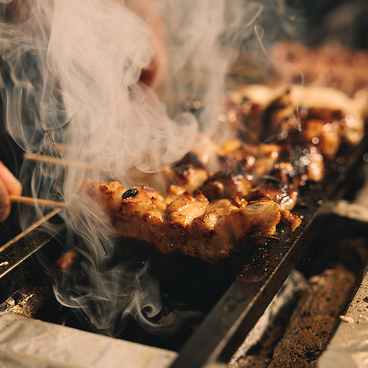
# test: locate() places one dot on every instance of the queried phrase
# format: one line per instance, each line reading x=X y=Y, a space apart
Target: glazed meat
x=256 y=160
x=222 y=185
x=189 y=223
x=187 y=176
x=323 y=127
x=222 y=196
x=283 y=194
x=304 y=129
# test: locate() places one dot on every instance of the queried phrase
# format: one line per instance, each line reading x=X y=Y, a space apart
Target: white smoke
x=70 y=74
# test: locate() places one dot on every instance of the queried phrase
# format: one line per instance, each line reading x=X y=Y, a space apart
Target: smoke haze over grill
x=70 y=74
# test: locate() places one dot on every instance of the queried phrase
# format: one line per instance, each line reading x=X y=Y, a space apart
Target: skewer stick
x=28 y=230
x=58 y=161
x=65 y=147
x=35 y=201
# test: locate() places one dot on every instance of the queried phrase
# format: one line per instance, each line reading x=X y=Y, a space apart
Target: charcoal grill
x=231 y=299
x=243 y=286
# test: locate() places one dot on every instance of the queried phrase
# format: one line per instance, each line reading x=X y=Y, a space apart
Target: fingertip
x=5 y=204
x=16 y=188
x=12 y=184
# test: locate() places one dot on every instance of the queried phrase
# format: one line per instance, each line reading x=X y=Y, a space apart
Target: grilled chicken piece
x=321 y=127
x=246 y=110
x=222 y=185
x=310 y=122
x=255 y=160
x=298 y=165
x=187 y=176
x=203 y=154
x=285 y=195
x=186 y=222
x=246 y=117
x=284 y=110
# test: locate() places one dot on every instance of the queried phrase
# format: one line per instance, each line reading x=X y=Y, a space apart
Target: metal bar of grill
x=233 y=316
x=25 y=256
x=244 y=302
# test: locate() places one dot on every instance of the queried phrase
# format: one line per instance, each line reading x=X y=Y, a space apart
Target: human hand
x=8 y=185
x=156 y=74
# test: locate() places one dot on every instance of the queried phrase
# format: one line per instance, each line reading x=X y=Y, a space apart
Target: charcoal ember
x=314 y=319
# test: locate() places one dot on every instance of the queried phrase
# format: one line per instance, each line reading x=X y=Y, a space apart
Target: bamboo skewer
x=58 y=161
x=28 y=230
x=35 y=201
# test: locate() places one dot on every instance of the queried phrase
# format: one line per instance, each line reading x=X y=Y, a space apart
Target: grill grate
x=239 y=294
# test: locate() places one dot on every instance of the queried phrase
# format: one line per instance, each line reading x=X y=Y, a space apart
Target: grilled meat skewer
x=186 y=222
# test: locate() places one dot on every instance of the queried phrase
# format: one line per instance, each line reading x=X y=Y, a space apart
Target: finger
x=4 y=202
x=12 y=185
x=156 y=75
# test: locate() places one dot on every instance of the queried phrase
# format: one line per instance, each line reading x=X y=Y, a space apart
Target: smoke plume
x=70 y=75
